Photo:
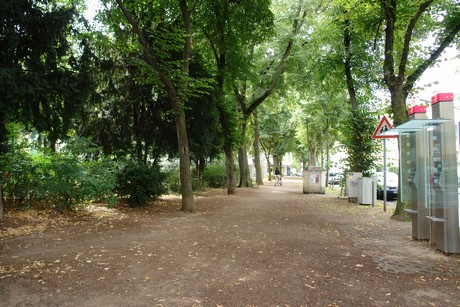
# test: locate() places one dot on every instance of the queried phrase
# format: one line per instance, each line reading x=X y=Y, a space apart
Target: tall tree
x=45 y=80
x=276 y=130
x=257 y=162
x=408 y=26
x=263 y=87
x=230 y=28
x=176 y=87
x=342 y=61
x=358 y=123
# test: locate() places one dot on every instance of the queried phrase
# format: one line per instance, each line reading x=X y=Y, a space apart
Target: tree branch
x=240 y=98
x=170 y=89
x=188 y=35
x=194 y=5
x=408 y=36
x=298 y=22
x=433 y=57
x=389 y=7
x=347 y=64
x=213 y=47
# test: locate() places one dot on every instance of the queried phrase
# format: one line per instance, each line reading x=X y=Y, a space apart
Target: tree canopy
x=201 y=80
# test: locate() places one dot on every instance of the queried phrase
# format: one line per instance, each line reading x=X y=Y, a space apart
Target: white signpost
x=379 y=133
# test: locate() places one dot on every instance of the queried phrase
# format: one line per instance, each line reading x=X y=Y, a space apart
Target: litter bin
x=351 y=186
x=367 y=191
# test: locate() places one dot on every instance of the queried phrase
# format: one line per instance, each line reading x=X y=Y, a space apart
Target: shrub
x=20 y=178
x=173 y=179
x=140 y=184
x=72 y=182
x=32 y=177
x=215 y=175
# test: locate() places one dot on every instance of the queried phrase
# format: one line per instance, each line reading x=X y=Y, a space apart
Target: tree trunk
x=1 y=204
x=3 y=150
x=276 y=163
x=269 y=167
x=245 y=178
x=257 y=165
x=348 y=64
x=398 y=104
x=188 y=203
x=200 y=165
x=327 y=158
x=312 y=148
x=231 y=182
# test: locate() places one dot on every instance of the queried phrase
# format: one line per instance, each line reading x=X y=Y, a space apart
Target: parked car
x=392 y=185
x=334 y=178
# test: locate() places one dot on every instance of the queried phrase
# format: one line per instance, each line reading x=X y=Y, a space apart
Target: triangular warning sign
x=383 y=127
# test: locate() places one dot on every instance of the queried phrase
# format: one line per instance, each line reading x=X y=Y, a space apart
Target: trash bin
x=351 y=186
x=367 y=191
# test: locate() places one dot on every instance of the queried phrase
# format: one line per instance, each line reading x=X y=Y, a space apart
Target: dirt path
x=271 y=246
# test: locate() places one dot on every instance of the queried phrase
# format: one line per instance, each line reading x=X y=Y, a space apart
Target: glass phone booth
x=444 y=217
x=428 y=174
x=413 y=141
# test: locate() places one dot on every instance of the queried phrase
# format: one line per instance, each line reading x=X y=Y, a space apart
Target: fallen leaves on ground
x=19 y=223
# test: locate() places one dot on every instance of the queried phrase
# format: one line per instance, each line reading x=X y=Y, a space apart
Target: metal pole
x=384 y=175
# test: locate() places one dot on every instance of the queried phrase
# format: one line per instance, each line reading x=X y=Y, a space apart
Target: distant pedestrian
x=278 y=181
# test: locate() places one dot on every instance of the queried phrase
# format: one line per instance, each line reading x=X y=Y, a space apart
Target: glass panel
x=428 y=177
x=444 y=166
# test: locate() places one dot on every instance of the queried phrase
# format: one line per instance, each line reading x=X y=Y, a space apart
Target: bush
x=20 y=178
x=140 y=184
x=57 y=179
x=36 y=177
x=72 y=182
x=173 y=179
x=215 y=176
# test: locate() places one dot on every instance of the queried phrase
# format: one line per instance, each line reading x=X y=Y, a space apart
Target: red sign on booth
x=442 y=97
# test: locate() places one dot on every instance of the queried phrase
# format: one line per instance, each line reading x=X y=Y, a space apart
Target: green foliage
x=356 y=136
x=277 y=131
x=215 y=175
x=21 y=173
x=45 y=78
x=140 y=184
x=61 y=180
x=72 y=182
x=173 y=179
x=63 y=185
x=20 y=180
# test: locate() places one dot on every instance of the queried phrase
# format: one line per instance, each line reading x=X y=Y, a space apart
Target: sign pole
x=379 y=133
x=384 y=175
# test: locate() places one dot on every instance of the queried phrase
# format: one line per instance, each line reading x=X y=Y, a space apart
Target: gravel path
x=270 y=246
